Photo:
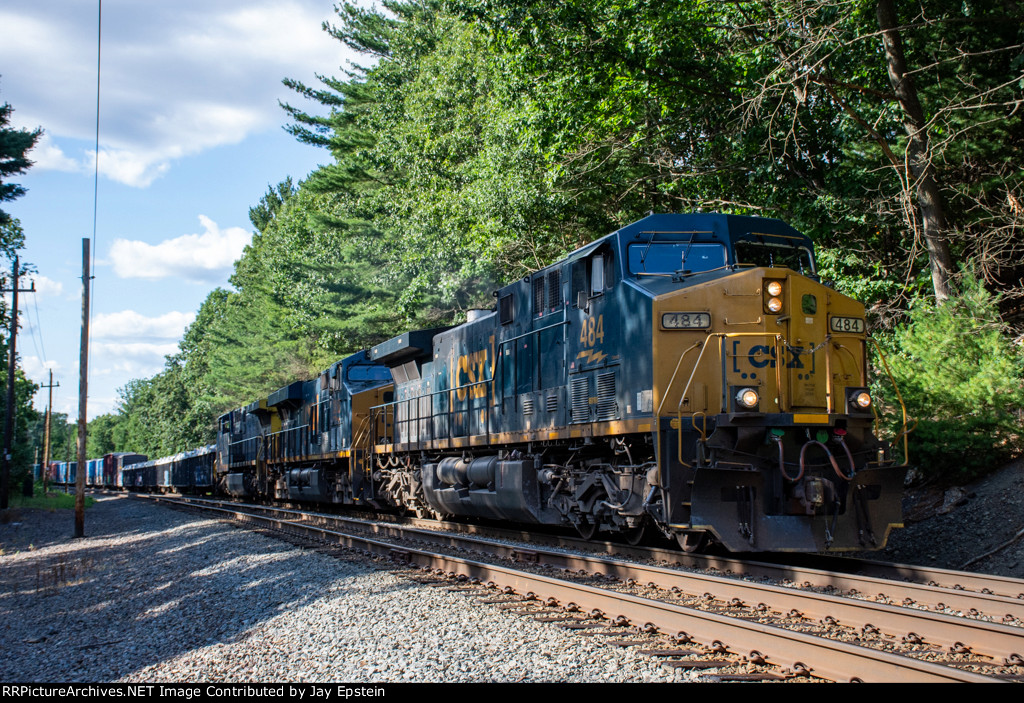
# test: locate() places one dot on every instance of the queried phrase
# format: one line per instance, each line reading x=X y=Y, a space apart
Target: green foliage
x=52 y=501
x=100 y=435
x=63 y=436
x=263 y=214
x=961 y=376
x=483 y=139
x=14 y=147
x=162 y=415
x=22 y=450
x=438 y=180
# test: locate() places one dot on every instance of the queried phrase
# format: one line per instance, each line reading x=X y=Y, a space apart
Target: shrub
x=962 y=377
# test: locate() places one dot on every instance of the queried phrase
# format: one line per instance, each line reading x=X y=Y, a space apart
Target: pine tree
x=14 y=147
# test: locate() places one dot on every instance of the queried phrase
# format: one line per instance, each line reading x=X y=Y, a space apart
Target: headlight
x=747 y=398
x=774 y=304
x=774 y=288
x=858 y=400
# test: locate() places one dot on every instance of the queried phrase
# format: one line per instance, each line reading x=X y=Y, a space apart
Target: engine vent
x=607 y=408
x=580 y=392
x=552 y=402
x=527 y=406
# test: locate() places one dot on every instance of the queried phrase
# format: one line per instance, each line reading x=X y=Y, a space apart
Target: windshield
x=670 y=257
x=775 y=256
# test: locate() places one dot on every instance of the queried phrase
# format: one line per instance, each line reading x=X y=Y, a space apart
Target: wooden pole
x=46 y=435
x=5 y=475
x=83 y=394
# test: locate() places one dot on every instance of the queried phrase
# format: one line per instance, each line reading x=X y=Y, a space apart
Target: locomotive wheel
x=692 y=542
x=586 y=529
x=635 y=536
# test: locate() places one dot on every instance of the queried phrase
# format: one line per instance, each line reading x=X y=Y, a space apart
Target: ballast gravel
x=153 y=594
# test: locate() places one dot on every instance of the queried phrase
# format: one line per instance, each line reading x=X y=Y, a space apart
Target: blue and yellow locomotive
x=686 y=375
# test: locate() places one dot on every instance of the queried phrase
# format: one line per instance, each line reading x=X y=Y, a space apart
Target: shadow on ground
x=127 y=596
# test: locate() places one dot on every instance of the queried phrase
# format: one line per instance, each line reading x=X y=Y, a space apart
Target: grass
x=56 y=499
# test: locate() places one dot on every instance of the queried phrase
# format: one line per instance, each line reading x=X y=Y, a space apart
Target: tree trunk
x=929 y=198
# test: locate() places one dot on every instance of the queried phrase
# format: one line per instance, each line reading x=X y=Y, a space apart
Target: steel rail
x=777 y=646
x=997 y=596
x=958 y=591
x=909 y=593
x=950 y=632
x=946 y=578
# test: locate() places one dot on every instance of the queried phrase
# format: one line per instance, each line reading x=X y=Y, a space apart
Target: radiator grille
x=580 y=399
x=607 y=408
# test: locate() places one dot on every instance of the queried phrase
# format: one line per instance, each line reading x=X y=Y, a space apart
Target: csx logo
x=471 y=369
x=761 y=355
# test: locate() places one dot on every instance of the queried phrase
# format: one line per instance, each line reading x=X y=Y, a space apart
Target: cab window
x=593 y=275
x=763 y=254
x=675 y=257
x=596 y=274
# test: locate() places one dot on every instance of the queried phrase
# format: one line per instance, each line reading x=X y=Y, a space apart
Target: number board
x=847 y=324
x=686 y=320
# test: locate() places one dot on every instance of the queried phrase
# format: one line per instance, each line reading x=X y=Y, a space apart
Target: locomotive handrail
x=409 y=402
x=503 y=342
x=363 y=431
x=290 y=429
x=829 y=395
x=275 y=441
x=245 y=452
x=722 y=336
x=392 y=408
x=904 y=431
x=673 y=379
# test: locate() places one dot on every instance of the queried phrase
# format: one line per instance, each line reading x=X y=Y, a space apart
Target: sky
x=191 y=135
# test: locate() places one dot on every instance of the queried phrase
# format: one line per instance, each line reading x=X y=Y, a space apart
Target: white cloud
x=39 y=370
x=122 y=360
x=130 y=325
x=128 y=344
x=189 y=129
x=101 y=406
x=45 y=287
x=129 y=166
x=132 y=354
x=177 y=78
x=202 y=258
x=47 y=156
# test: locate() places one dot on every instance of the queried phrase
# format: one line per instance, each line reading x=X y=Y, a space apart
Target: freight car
x=104 y=472
x=186 y=472
x=114 y=464
x=687 y=375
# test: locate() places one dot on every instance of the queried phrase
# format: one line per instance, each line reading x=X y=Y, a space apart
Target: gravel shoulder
x=153 y=594
x=955 y=528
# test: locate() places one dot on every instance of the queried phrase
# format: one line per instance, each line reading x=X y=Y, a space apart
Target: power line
x=35 y=335
x=96 y=165
x=96 y=169
x=39 y=326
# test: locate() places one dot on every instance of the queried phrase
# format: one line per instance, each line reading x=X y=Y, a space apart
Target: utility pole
x=5 y=471
x=46 y=433
x=83 y=394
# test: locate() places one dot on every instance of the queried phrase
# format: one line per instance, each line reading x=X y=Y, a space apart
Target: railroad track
x=826 y=629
